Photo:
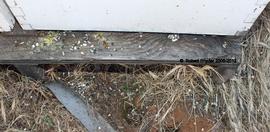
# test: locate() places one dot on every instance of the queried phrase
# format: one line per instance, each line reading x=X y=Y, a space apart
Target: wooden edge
x=39 y=47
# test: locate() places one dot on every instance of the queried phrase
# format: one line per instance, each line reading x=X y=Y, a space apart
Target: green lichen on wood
x=49 y=41
x=50 y=38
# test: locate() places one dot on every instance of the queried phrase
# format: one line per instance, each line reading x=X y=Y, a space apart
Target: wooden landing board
x=23 y=47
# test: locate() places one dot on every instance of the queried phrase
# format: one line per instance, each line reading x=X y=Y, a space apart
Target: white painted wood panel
x=6 y=18
x=220 y=17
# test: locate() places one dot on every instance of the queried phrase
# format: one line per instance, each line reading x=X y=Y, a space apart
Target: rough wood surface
x=112 y=47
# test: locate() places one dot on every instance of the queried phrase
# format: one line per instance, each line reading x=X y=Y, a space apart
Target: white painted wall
x=221 y=17
x=6 y=18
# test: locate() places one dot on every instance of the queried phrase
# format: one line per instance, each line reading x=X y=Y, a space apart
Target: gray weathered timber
x=112 y=47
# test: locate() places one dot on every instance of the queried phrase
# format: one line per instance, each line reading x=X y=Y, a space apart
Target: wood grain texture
x=112 y=47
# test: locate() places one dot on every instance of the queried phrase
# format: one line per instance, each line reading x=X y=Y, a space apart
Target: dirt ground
x=118 y=97
x=116 y=94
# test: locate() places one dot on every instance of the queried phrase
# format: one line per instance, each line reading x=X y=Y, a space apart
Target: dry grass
x=27 y=106
x=182 y=84
x=247 y=97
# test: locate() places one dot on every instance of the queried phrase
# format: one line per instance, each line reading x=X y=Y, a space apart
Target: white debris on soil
x=80 y=88
x=84 y=44
x=73 y=35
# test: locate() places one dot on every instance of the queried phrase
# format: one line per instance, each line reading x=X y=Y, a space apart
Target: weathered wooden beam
x=22 y=47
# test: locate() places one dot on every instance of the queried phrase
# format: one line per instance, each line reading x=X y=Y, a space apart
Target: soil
x=188 y=123
x=180 y=120
x=115 y=95
x=115 y=101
